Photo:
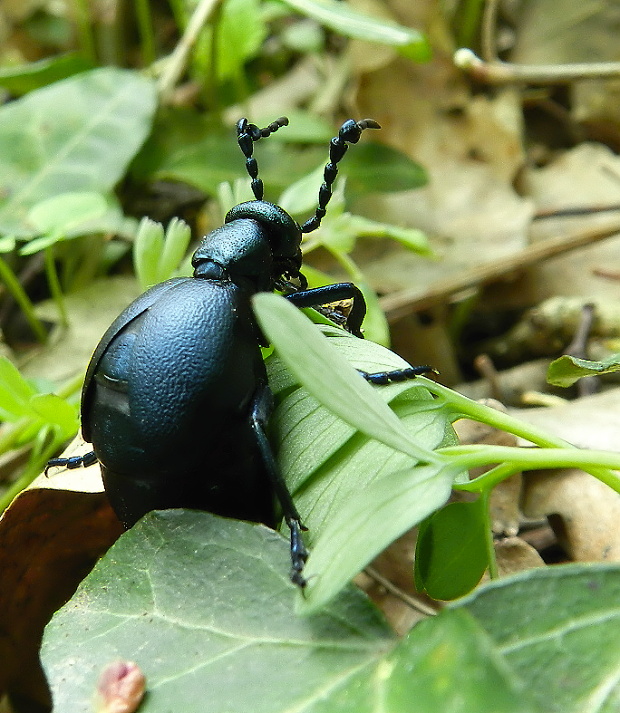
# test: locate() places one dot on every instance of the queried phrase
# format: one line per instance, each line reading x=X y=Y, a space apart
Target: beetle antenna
x=247 y=134
x=349 y=133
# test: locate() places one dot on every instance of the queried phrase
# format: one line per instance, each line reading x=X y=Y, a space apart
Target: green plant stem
x=515 y=459
x=145 y=28
x=177 y=61
x=463 y=407
x=85 y=30
x=485 y=504
x=32 y=471
x=12 y=434
x=469 y=17
x=54 y=285
x=22 y=299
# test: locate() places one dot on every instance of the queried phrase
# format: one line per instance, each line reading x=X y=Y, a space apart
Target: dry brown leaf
x=515 y=555
x=589 y=422
x=583 y=512
x=50 y=537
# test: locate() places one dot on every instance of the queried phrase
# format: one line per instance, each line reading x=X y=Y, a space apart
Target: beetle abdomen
x=169 y=416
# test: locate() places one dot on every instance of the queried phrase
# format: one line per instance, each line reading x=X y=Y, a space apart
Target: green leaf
x=15 y=391
x=356 y=495
x=566 y=370
x=65 y=138
x=411 y=238
x=451 y=554
x=54 y=410
x=301 y=196
x=559 y=629
x=25 y=78
x=65 y=211
x=446 y=664
x=176 y=242
x=147 y=248
x=346 y=393
x=341 y=18
x=240 y=34
x=377 y=168
x=203 y=604
x=367 y=522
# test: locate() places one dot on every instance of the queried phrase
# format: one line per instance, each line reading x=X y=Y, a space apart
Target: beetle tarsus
x=82 y=461
x=382 y=378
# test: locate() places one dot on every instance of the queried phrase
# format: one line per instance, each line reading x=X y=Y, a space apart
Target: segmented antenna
x=247 y=134
x=349 y=133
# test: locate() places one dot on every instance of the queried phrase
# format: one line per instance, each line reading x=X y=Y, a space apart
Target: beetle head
x=282 y=232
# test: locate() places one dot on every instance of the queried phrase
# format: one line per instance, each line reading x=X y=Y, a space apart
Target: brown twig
x=411 y=300
x=410 y=601
x=497 y=72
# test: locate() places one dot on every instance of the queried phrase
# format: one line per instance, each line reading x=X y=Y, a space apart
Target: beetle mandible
x=176 y=401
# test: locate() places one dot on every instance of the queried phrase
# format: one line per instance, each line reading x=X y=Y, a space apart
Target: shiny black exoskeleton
x=176 y=401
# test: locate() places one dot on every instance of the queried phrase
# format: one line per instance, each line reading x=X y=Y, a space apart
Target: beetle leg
x=82 y=461
x=261 y=409
x=332 y=293
x=385 y=377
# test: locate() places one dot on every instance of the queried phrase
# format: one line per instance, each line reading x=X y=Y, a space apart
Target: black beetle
x=176 y=401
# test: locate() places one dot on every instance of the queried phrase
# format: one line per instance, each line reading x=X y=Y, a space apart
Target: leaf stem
x=19 y=295
x=54 y=285
x=145 y=28
x=514 y=459
x=485 y=505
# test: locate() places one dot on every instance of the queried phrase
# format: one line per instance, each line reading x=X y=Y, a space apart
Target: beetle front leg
x=259 y=418
x=318 y=296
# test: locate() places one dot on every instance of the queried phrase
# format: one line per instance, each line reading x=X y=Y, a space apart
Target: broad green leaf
x=446 y=664
x=25 y=78
x=376 y=168
x=370 y=520
x=341 y=18
x=54 y=410
x=449 y=664
x=203 y=605
x=65 y=138
x=451 y=554
x=341 y=477
x=346 y=393
x=566 y=370
x=559 y=629
x=302 y=196
x=240 y=33
x=15 y=392
x=64 y=211
x=215 y=157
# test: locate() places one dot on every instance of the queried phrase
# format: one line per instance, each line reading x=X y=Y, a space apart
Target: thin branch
x=487 y=31
x=177 y=60
x=411 y=300
x=496 y=72
x=410 y=601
